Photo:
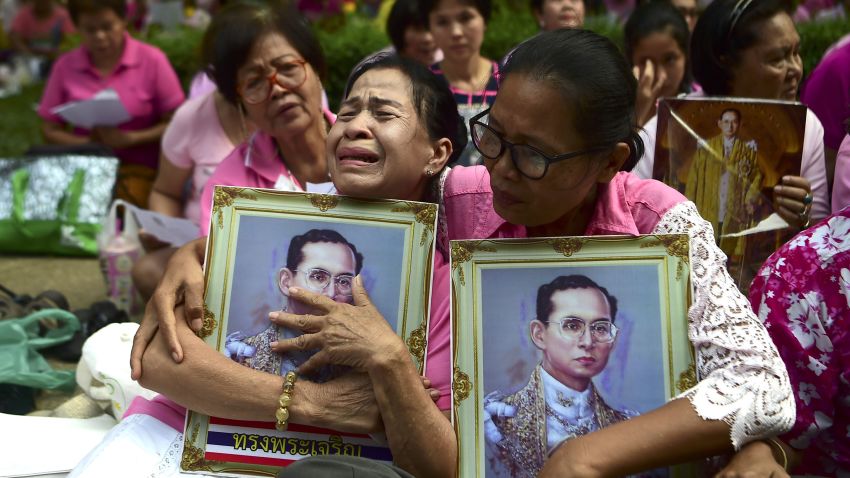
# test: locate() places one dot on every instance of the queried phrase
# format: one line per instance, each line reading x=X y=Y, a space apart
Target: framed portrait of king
x=261 y=243
x=557 y=338
x=726 y=155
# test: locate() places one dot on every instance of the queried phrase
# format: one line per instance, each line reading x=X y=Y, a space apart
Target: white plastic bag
x=104 y=368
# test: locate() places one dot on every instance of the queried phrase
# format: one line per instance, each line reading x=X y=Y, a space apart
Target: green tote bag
x=54 y=205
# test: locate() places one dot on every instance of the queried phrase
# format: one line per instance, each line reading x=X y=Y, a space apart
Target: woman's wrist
x=389 y=357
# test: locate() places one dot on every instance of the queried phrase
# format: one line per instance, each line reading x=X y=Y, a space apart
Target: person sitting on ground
x=802 y=294
x=141 y=76
x=203 y=132
x=750 y=49
x=656 y=39
x=409 y=33
x=407 y=117
x=556 y=142
x=39 y=28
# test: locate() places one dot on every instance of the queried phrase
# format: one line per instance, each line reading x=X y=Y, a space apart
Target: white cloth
x=743 y=381
x=139 y=447
x=813 y=166
x=38 y=446
x=571 y=405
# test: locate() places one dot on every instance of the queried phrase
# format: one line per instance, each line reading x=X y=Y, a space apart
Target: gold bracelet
x=775 y=442
x=282 y=413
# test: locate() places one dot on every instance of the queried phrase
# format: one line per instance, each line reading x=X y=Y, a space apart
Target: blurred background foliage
x=346 y=40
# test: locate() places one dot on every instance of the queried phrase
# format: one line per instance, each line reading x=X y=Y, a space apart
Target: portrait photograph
x=564 y=345
x=261 y=244
x=726 y=155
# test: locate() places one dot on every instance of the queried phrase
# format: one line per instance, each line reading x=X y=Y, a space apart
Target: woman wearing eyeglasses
x=555 y=141
x=278 y=85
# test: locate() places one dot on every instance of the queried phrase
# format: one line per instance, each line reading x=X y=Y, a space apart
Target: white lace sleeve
x=743 y=380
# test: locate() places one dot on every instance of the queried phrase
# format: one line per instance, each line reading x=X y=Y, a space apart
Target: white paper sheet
x=36 y=446
x=103 y=109
x=173 y=230
x=770 y=223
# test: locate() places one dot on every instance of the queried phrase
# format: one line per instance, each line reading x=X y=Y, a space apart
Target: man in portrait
x=724 y=180
x=575 y=333
x=321 y=261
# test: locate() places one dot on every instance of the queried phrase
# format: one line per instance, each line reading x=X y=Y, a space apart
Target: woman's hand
x=182 y=283
x=353 y=335
x=792 y=199
x=650 y=82
x=113 y=137
x=351 y=405
x=755 y=460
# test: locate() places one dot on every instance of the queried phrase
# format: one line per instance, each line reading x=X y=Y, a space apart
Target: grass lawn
x=19 y=124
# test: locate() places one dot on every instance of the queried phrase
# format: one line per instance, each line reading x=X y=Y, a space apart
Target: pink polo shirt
x=626 y=205
x=253 y=164
x=42 y=34
x=143 y=79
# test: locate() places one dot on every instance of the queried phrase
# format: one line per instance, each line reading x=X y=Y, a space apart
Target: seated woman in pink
x=141 y=75
x=402 y=116
x=203 y=131
x=554 y=144
x=39 y=28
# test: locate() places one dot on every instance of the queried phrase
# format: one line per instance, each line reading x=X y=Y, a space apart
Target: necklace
x=584 y=426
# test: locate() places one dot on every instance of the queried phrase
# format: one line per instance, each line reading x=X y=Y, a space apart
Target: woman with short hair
x=141 y=76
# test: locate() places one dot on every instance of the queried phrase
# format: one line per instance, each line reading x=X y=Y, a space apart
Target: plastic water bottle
x=119 y=250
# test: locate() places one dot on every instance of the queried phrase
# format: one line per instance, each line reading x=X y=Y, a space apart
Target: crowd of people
x=555 y=139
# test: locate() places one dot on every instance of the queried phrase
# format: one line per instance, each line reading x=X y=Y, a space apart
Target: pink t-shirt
x=42 y=34
x=196 y=140
x=143 y=79
x=626 y=205
x=841 y=184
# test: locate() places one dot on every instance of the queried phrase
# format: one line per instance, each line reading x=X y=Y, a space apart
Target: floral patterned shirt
x=802 y=294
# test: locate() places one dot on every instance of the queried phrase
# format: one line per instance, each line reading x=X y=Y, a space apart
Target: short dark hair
x=732 y=110
x=659 y=16
x=575 y=281
x=82 y=7
x=237 y=27
x=723 y=31
x=484 y=7
x=295 y=254
x=592 y=75
x=430 y=94
x=404 y=14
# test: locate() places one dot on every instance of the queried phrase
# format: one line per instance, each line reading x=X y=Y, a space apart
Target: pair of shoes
x=13 y=305
x=97 y=316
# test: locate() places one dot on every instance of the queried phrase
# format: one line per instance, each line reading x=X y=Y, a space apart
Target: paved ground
x=79 y=279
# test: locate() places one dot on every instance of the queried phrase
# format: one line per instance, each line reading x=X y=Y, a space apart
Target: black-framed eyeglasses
x=319 y=279
x=529 y=161
x=601 y=331
x=258 y=88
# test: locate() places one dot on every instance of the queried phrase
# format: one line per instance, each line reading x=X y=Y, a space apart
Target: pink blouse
x=802 y=294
